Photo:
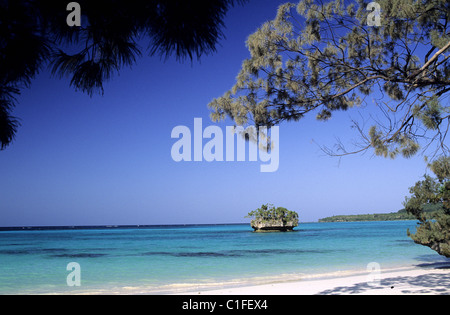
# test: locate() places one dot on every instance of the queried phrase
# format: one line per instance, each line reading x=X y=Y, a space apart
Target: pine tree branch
x=435 y=56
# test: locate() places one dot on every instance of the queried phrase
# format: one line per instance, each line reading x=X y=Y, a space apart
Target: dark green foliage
x=268 y=212
x=369 y=217
x=433 y=230
x=428 y=210
x=34 y=33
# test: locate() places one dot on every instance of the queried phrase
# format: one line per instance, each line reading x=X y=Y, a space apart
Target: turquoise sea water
x=165 y=259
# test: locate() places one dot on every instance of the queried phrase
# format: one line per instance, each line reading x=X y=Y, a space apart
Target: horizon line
x=110 y=226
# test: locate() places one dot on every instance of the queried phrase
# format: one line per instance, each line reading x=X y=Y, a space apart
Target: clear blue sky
x=107 y=160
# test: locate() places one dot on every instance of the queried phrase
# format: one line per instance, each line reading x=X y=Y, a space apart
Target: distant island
x=271 y=219
x=393 y=216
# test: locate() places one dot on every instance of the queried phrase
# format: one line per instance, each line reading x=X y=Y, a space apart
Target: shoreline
x=430 y=279
x=219 y=260
x=423 y=279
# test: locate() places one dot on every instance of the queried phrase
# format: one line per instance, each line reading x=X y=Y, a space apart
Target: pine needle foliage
x=34 y=34
x=433 y=229
x=318 y=58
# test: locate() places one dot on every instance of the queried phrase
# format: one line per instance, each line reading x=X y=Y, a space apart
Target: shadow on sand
x=433 y=283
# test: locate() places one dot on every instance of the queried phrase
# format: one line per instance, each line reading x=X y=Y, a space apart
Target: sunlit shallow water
x=168 y=259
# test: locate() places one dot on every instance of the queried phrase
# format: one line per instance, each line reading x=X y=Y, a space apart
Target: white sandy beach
x=430 y=281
